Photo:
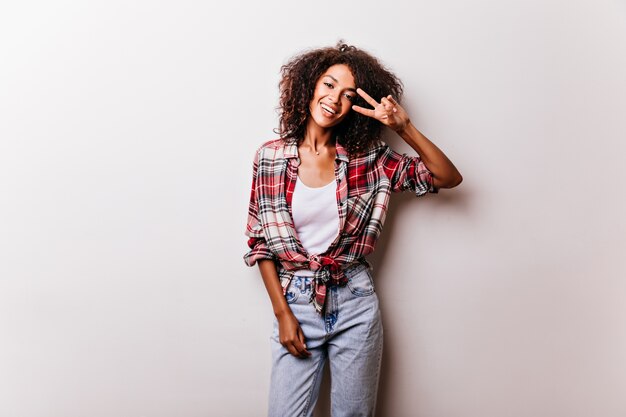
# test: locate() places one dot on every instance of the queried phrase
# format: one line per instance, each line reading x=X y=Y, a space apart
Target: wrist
x=405 y=129
x=282 y=312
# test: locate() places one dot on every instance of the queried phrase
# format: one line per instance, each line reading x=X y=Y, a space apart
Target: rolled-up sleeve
x=407 y=173
x=254 y=229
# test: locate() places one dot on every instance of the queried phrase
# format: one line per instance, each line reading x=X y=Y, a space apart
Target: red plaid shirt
x=364 y=184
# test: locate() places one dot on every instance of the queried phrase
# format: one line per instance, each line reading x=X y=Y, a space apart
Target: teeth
x=328 y=109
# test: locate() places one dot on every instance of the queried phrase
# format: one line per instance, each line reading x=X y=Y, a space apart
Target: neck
x=316 y=137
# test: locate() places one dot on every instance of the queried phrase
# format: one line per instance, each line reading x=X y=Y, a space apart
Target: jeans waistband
x=307 y=273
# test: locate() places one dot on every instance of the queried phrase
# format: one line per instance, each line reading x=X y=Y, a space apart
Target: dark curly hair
x=299 y=76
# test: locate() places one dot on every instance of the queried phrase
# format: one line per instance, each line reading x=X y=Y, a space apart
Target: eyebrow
x=335 y=80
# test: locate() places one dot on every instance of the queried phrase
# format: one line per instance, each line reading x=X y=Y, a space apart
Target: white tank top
x=315 y=217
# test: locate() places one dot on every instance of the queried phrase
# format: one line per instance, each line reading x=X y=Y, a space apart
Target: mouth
x=328 y=110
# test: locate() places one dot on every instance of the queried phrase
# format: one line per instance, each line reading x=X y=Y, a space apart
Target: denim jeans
x=349 y=334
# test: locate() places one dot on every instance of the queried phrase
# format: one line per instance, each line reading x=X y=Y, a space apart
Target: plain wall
x=127 y=131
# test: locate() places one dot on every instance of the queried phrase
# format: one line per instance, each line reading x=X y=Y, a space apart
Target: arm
x=445 y=174
x=391 y=114
x=254 y=230
x=289 y=332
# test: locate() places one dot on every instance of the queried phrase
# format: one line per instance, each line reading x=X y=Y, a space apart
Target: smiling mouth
x=328 y=109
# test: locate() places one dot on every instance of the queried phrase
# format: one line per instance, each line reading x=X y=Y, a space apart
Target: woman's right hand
x=291 y=336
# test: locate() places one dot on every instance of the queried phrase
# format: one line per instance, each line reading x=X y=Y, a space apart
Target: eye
x=329 y=85
x=349 y=97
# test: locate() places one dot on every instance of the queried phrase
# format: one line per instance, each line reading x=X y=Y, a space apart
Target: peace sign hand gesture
x=388 y=111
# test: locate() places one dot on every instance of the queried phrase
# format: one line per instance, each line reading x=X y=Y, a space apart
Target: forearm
x=290 y=334
x=445 y=174
x=272 y=285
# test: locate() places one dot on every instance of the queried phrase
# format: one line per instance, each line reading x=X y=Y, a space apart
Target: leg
x=295 y=382
x=355 y=351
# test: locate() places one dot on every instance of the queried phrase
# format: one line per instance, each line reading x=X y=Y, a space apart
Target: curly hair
x=299 y=76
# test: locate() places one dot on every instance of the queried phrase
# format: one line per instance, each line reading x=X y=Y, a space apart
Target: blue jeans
x=349 y=334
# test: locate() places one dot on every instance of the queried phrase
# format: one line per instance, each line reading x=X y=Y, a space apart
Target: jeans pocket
x=291 y=295
x=299 y=287
x=361 y=283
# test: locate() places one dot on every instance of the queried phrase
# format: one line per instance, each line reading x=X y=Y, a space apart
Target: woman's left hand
x=388 y=111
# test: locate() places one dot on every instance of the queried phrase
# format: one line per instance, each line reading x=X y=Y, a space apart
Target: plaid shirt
x=364 y=184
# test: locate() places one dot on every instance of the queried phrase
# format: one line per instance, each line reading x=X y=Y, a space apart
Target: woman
x=318 y=202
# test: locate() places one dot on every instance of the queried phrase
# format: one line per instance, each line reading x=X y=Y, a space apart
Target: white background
x=127 y=131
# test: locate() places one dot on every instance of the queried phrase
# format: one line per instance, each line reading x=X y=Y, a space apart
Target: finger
x=389 y=106
x=393 y=100
x=302 y=348
x=363 y=111
x=289 y=343
x=296 y=350
x=367 y=97
x=291 y=347
x=386 y=103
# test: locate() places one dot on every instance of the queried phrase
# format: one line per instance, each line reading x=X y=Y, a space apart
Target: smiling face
x=334 y=94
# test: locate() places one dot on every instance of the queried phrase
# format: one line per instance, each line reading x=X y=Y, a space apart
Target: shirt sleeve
x=254 y=230
x=407 y=173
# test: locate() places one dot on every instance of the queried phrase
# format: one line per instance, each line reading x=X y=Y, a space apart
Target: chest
x=316 y=170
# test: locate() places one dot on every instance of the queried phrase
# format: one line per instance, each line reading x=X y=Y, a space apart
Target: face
x=334 y=94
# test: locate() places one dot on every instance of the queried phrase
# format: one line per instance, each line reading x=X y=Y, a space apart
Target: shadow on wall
x=459 y=200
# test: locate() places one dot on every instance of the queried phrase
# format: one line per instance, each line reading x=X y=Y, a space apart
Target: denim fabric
x=349 y=334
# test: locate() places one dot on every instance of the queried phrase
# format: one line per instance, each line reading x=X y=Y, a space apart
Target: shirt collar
x=291 y=149
x=342 y=154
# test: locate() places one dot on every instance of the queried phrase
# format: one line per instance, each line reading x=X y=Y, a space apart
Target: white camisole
x=315 y=217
